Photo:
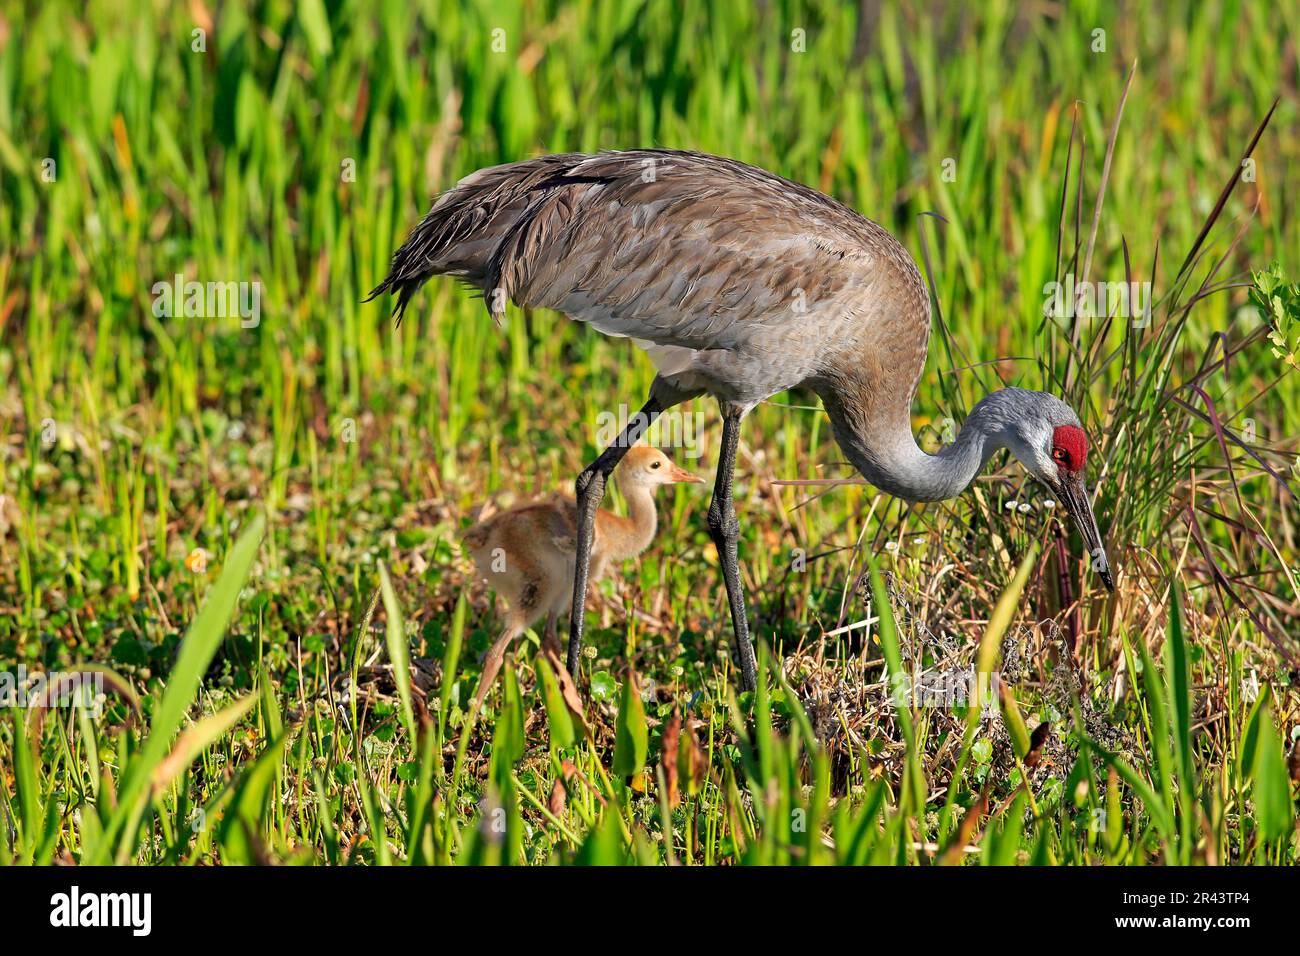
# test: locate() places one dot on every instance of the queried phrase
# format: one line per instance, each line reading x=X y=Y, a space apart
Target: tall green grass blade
x=399 y=651
x=242 y=829
x=197 y=738
x=914 y=785
x=197 y=649
x=1157 y=706
x=508 y=738
x=1178 y=683
x=30 y=804
x=1004 y=612
x=1271 y=783
x=450 y=661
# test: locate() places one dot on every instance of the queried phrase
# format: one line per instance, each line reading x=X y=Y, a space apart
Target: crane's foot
x=724 y=529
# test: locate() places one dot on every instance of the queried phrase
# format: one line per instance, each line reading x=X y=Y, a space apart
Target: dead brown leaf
x=668 y=757
x=1036 y=741
x=559 y=798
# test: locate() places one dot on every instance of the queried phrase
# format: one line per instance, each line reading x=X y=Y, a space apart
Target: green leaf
x=1180 y=693
x=1154 y=692
x=270 y=706
x=105 y=67
x=399 y=653
x=1159 y=811
x=248 y=111
x=508 y=740
x=30 y=810
x=1002 y=838
x=558 y=718
x=1016 y=728
x=603 y=685
x=1178 y=684
x=631 y=734
x=888 y=632
x=1271 y=783
x=1250 y=737
x=1004 y=612
x=450 y=661
x=604 y=844
x=315 y=25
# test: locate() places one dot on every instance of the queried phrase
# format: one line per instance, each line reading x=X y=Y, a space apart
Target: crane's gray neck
x=886 y=452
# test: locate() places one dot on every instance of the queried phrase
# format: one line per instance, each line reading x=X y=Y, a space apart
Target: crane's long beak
x=1074 y=495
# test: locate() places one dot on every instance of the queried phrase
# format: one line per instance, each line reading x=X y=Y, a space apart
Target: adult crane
x=739 y=284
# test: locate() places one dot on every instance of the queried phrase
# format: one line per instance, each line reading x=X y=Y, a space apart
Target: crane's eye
x=1061 y=457
x=655 y=464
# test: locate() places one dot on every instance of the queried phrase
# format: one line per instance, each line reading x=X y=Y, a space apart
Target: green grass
x=209 y=511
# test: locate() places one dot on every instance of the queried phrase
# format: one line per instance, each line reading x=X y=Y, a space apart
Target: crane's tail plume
x=442 y=244
x=466 y=228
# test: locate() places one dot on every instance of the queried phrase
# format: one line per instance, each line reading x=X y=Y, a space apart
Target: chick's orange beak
x=682 y=476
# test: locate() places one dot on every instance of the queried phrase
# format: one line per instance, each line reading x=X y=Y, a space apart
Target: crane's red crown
x=1069 y=447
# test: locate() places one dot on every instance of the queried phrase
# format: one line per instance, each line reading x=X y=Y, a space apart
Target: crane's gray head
x=1045 y=436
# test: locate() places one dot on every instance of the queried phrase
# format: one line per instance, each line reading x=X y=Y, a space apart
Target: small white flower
x=891 y=545
x=918 y=541
x=1049 y=504
x=1025 y=509
x=1012 y=504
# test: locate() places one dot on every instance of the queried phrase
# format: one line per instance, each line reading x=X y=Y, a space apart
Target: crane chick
x=527 y=553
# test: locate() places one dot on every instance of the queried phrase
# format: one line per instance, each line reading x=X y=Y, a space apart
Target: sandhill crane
x=527 y=553
x=739 y=284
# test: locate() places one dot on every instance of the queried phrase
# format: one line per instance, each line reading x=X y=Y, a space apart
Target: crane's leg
x=590 y=490
x=724 y=528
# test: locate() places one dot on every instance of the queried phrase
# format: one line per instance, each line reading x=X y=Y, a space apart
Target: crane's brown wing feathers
x=676 y=248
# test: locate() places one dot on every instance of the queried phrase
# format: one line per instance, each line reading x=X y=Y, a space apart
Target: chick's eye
x=654 y=464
